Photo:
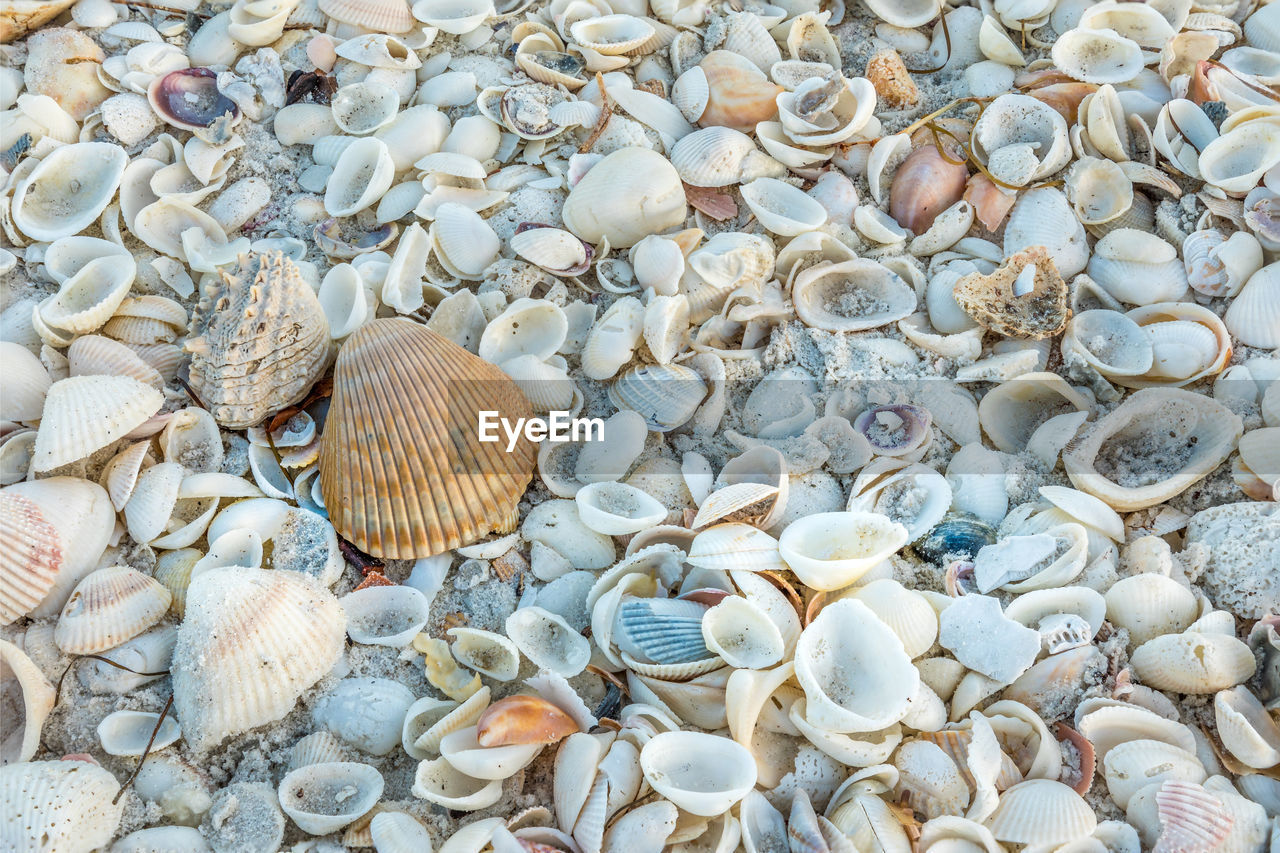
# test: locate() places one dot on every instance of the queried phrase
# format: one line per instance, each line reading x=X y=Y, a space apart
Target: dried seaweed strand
x=58 y=690
x=156 y=8
x=946 y=56
x=151 y=740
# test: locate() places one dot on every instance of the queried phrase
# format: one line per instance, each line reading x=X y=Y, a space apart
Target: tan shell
x=1001 y=303
x=402 y=477
x=259 y=340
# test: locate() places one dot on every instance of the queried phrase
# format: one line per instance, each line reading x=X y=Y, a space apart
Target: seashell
x=553 y=249
x=832 y=550
x=523 y=720
x=55 y=530
x=1043 y=217
x=591 y=212
x=1014 y=126
x=851 y=296
x=131 y=732
x=1109 y=342
x=720 y=157
x=367 y=713
x=1150 y=605
x=527 y=327
x=28 y=699
x=109 y=607
x=59 y=805
x=15 y=456
x=163 y=839
x=1109 y=726
x=323 y=798
x=1236 y=160
x=742 y=634
x=548 y=641
x=725 y=89
x=464 y=752
x=908 y=614
x=727 y=547
x=25 y=383
x=486 y=652
x=441 y=783
x=666 y=396
x=363 y=172
x=361 y=108
x=847 y=687
x=386 y=16
x=1097 y=55
x=278 y=622
x=1126 y=253
x=909 y=15
x=94 y=355
x=1192 y=662
x=376 y=527
x=457 y=17
x=67 y=190
x=189 y=99
x=700 y=773
x=1134 y=765
x=1014 y=303
x=612 y=35
x=781 y=208
x=379 y=51
x=1245 y=728
x=826 y=110
x=617 y=509
x=662 y=631
x=956 y=535
x=1182 y=131
x=1098 y=190
x=1252 y=317
x=1191 y=818
x=385 y=615
x=463 y=242
x=1011 y=412
x=1165 y=424
x=1219 y=266
x=290 y=343
x=1041 y=812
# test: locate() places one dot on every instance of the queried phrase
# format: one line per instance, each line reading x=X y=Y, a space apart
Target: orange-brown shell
x=738 y=94
x=991 y=204
x=523 y=720
x=925 y=185
x=402 y=467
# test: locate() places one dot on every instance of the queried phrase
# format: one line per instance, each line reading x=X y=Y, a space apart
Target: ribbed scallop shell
x=1041 y=812
x=1135 y=764
x=667 y=395
x=1254 y=315
x=24 y=384
x=907 y=613
x=1192 y=820
x=30 y=556
x=402 y=475
x=251 y=642
x=385 y=16
x=728 y=547
x=108 y=607
x=58 y=807
x=661 y=630
x=96 y=355
x=259 y=340
x=85 y=413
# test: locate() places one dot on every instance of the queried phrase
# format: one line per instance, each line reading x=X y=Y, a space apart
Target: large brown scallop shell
x=259 y=341
x=402 y=468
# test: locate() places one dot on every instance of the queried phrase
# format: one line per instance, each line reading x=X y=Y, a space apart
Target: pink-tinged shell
x=1088 y=759
x=911 y=430
x=738 y=95
x=30 y=559
x=991 y=204
x=1192 y=820
x=189 y=99
x=924 y=186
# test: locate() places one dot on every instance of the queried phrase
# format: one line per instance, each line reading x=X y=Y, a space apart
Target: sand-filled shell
x=108 y=607
x=323 y=798
x=1154 y=445
x=58 y=806
x=402 y=474
x=26 y=698
x=85 y=413
x=259 y=340
x=251 y=642
x=854 y=672
x=851 y=296
x=385 y=615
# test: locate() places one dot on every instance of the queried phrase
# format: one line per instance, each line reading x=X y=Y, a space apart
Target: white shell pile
x=935 y=507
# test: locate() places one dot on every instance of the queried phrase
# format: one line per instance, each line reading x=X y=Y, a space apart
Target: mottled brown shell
x=994 y=301
x=259 y=341
x=402 y=468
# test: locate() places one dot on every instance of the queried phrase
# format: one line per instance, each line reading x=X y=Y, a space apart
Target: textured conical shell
x=63 y=806
x=28 y=697
x=402 y=474
x=108 y=607
x=259 y=340
x=251 y=642
x=1160 y=423
x=85 y=413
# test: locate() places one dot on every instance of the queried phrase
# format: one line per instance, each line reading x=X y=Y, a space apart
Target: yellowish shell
x=402 y=467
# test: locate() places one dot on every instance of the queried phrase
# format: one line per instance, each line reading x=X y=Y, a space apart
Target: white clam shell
x=385 y=615
x=29 y=698
x=742 y=634
x=1097 y=56
x=361 y=174
x=1193 y=662
x=851 y=296
x=130 y=732
x=1014 y=120
x=1253 y=316
x=534 y=327
x=456 y=17
x=592 y=211
x=68 y=189
x=59 y=804
x=367 y=713
x=1246 y=730
x=323 y=798
x=700 y=773
x=463 y=242
x=486 y=652
x=782 y=208
x=463 y=751
x=437 y=781
x=1150 y=605
x=853 y=670
x=617 y=509
x=1127 y=256
x=832 y=550
x=1041 y=811
x=548 y=641
x=721 y=157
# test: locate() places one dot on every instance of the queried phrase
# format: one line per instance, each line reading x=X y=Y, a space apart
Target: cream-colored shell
x=28 y=699
x=1193 y=662
x=1150 y=605
x=85 y=413
x=108 y=607
x=59 y=805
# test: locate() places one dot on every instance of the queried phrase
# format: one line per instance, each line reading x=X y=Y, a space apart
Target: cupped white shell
x=323 y=798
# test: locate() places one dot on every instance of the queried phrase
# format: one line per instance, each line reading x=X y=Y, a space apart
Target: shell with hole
x=479 y=489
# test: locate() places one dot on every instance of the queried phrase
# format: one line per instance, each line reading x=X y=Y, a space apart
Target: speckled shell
x=251 y=642
x=108 y=607
x=259 y=340
x=404 y=477
x=62 y=806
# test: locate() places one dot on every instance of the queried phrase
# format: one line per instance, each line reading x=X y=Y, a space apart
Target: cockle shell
x=85 y=413
x=1043 y=217
x=59 y=805
x=28 y=697
x=108 y=607
x=727 y=90
x=1155 y=445
x=1041 y=812
x=1193 y=662
x=246 y=629
x=259 y=340
x=366 y=507
x=24 y=384
x=1150 y=605
x=648 y=182
x=1252 y=316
